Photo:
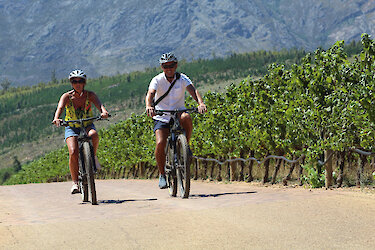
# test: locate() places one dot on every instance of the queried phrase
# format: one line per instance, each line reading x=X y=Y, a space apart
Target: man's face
x=169 y=68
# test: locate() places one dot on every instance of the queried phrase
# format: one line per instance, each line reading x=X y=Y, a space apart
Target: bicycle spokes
x=183 y=167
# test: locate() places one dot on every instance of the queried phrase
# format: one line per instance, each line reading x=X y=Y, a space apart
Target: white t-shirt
x=175 y=98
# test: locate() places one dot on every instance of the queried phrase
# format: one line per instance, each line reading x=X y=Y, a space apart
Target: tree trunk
x=266 y=170
x=228 y=171
x=361 y=162
x=205 y=166
x=328 y=167
x=233 y=168
x=340 y=177
x=241 y=177
x=219 y=173
x=300 y=172
x=196 y=169
x=289 y=175
x=250 y=177
x=212 y=171
x=278 y=164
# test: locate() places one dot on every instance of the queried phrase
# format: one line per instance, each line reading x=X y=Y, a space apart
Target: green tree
x=53 y=77
x=5 y=84
x=16 y=164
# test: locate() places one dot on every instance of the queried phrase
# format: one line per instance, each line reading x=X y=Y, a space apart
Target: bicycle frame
x=86 y=161
x=83 y=136
x=176 y=128
x=177 y=167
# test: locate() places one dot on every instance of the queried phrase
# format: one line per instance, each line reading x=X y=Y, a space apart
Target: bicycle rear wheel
x=183 y=167
x=88 y=154
x=170 y=172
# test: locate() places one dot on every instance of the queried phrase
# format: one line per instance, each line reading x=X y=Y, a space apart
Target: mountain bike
x=178 y=155
x=86 y=161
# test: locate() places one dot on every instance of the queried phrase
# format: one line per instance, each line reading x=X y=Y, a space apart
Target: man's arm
x=150 y=110
x=197 y=97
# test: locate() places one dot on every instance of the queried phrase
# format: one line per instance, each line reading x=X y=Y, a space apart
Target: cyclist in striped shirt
x=78 y=105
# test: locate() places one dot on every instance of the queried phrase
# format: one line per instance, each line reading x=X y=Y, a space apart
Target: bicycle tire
x=82 y=180
x=170 y=172
x=88 y=154
x=183 y=167
x=84 y=190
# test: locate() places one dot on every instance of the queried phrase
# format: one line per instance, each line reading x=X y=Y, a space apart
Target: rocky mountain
x=106 y=37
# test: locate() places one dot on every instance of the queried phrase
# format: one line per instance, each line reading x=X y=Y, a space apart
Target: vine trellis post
x=231 y=166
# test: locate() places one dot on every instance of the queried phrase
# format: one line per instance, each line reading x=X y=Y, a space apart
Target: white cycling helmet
x=167 y=57
x=77 y=73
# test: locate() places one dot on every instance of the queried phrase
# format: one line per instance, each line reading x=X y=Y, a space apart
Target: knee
x=185 y=117
x=73 y=153
x=160 y=143
x=93 y=134
x=186 y=121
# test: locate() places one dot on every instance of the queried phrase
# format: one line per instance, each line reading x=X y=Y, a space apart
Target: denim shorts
x=72 y=131
x=160 y=124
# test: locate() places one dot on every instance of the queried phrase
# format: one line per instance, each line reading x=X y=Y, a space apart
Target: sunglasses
x=78 y=81
x=168 y=66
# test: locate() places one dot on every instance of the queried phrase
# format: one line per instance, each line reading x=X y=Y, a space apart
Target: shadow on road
x=122 y=201
x=217 y=195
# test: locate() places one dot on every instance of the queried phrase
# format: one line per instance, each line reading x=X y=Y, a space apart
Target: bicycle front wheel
x=170 y=172
x=183 y=167
x=88 y=154
x=82 y=180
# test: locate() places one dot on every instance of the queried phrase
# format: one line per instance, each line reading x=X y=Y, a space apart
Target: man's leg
x=187 y=123
x=161 y=141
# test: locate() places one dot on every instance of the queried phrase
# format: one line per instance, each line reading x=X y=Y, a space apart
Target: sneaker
x=97 y=164
x=75 y=189
x=162 y=181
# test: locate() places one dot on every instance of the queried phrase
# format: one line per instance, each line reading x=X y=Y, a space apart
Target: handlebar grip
x=64 y=124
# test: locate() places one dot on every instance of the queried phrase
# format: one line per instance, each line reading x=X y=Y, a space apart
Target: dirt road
x=135 y=214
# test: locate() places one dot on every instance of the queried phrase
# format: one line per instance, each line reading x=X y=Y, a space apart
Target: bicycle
x=178 y=155
x=86 y=161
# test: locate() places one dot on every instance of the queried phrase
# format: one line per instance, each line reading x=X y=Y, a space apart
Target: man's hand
x=202 y=108
x=150 y=111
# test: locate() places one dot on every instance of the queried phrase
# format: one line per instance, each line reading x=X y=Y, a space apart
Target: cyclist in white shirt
x=175 y=99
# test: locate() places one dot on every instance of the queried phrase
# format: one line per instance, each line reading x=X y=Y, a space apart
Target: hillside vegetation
x=323 y=102
x=26 y=112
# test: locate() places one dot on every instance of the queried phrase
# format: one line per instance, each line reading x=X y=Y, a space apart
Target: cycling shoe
x=162 y=181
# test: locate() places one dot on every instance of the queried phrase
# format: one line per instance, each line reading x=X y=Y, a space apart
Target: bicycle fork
x=82 y=170
x=173 y=160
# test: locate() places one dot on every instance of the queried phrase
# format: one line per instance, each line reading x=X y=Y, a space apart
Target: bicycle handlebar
x=80 y=121
x=189 y=110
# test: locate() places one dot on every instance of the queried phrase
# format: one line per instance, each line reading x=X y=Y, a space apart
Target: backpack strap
x=169 y=89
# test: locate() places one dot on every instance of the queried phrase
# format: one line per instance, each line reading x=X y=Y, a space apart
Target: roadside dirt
x=135 y=214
